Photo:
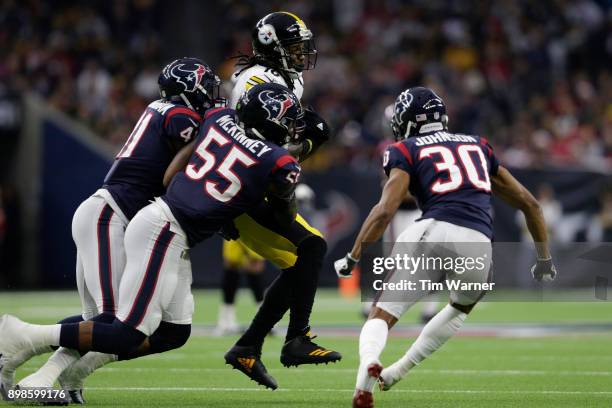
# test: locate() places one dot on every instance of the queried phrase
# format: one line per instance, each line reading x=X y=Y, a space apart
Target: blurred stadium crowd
x=533 y=76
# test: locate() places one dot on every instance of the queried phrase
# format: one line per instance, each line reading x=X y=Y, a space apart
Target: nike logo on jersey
x=257 y=147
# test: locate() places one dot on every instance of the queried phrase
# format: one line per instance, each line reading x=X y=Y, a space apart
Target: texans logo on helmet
x=402 y=105
x=189 y=78
x=276 y=106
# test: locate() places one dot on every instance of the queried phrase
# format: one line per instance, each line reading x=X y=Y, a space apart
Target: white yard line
x=224 y=389
x=330 y=370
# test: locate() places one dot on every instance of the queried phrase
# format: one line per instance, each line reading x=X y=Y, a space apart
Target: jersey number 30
x=448 y=164
x=224 y=169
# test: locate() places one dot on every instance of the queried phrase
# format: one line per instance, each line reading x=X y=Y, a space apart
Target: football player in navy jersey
x=452 y=177
x=237 y=165
x=188 y=87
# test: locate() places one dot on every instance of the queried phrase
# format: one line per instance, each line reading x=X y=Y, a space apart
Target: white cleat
x=388 y=378
x=7 y=378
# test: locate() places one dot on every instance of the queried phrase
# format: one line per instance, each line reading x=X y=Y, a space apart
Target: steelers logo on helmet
x=266 y=33
x=283 y=40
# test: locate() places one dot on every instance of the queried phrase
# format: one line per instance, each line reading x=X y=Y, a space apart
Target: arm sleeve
x=488 y=151
x=182 y=125
x=284 y=178
x=397 y=156
x=281 y=193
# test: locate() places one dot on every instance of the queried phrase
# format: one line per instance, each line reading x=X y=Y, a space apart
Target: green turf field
x=570 y=366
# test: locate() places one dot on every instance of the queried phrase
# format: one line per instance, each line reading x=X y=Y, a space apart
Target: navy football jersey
x=449 y=176
x=228 y=174
x=136 y=176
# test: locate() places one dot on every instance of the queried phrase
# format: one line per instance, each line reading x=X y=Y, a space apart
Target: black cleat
x=248 y=360
x=302 y=350
x=4 y=392
x=76 y=397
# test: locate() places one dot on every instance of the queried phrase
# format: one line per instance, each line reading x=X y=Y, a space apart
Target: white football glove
x=544 y=270
x=344 y=267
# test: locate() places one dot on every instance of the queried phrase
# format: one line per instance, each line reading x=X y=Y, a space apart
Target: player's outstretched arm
x=178 y=163
x=515 y=194
x=394 y=192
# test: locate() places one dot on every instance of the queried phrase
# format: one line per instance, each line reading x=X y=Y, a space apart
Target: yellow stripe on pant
x=278 y=248
x=237 y=255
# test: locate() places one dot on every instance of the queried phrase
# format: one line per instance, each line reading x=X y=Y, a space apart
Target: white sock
x=43 y=335
x=227 y=315
x=48 y=373
x=432 y=337
x=372 y=341
x=75 y=375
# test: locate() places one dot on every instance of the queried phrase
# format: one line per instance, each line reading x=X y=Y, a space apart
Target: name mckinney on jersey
x=257 y=147
x=440 y=137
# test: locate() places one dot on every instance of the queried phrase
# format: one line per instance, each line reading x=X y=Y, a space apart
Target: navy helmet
x=191 y=82
x=418 y=110
x=283 y=39
x=270 y=112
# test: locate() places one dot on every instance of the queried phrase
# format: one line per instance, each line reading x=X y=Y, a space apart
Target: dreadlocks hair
x=245 y=61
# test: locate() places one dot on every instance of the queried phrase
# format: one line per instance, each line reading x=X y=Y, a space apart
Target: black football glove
x=313 y=132
x=229 y=231
x=317 y=128
x=544 y=270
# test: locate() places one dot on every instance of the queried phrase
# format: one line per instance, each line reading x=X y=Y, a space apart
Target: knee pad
x=116 y=338
x=313 y=246
x=169 y=336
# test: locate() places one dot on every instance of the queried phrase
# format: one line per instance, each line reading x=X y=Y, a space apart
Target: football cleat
x=6 y=379
x=363 y=399
x=388 y=378
x=302 y=350
x=76 y=397
x=248 y=360
x=73 y=384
